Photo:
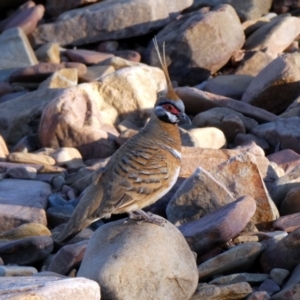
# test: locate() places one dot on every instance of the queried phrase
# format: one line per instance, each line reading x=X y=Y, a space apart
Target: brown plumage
x=143 y=170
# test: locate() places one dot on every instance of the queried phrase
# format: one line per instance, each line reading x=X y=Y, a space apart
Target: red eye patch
x=172 y=109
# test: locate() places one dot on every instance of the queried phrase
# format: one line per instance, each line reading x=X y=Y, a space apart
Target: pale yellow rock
x=30 y=158
x=63 y=78
x=49 y=53
x=3 y=148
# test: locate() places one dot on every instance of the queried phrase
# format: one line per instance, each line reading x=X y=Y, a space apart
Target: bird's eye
x=168 y=107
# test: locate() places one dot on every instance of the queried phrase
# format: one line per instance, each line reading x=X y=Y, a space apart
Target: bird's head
x=169 y=108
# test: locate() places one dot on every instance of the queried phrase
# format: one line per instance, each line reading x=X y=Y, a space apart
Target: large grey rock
x=48 y=287
x=15 y=49
x=166 y=266
x=199 y=44
x=277 y=85
x=22 y=201
x=99 y=22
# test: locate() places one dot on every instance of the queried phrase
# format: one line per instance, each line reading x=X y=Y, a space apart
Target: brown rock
x=3 y=149
x=197 y=59
x=259 y=295
x=30 y=158
x=98 y=22
x=217 y=227
x=48 y=53
x=287 y=159
x=197 y=101
x=251 y=278
x=27 y=19
x=87 y=57
x=41 y=71
x=284 y=254
x=94 y=73
x=288 y=223
x=198 y=196
x=277 y=85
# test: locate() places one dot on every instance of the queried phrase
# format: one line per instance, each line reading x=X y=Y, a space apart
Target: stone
x=292 y=110
x=196 y=59
x=22 y=172
x=197 y=101
x=284 y=184
x=251 y=278
x=269 y=286
x=287 y=159
x=137 y=86
x=48 y=53
x=199 y=195
x=282 y=133
x=243 y=139
x=25 y=230
x=279 y=275
x=48 y=287
x=290 y=289
x=256 y=150
x=95 y=73
x=275 y=36
x=252 y=63
x=15 y=49
x=26 y=251
x=216 y=227
x=169 y=267
x=26 y=19
x=291 y=203
x=226 y=119
x=87 y=57
x=128 y=55
x=22 y=201
x=283 y=254
x=59 y=215
x=247 y=10
x=42 y=71
x=277 y=85
x=63 y=78
x=10 y=271
x=119 y=63
x=226 y=292
x=209 y=137
x=238 y=258
x=3 y=148
x=67 y=157
x=288 y=223
x=259 y=295
x=68 y=257
x=108 y=46
x=98 y=22
x=241 y=176
x=232 y=86
x=17 y=123
x=5 y=88
x=30 y=158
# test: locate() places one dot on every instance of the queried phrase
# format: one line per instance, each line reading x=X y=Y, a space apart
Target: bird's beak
x=184 y=119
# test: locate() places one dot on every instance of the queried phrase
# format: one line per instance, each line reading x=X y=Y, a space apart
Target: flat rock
x=275 y=36
x=22 y=201
x=284 y=254
x=232 y=86
x=95 y=73
x=21 y=172
x=226 y=292
x=197 y=58
x=26 y=251
x=30 y=158
x=277 y=85
x=216 y=227
x=48 y=287
x=15 y=49
x=288 y=223
x=287 y=159
x=198 y=196
x=169 y=267
x=67 y=258
x=87 y=57
x=10 y=271
x=98 y=22
x=251 y=278
x=240 y=258
x=197 y=101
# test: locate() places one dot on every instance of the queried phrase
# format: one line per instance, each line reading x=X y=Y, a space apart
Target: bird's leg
x=146 y=217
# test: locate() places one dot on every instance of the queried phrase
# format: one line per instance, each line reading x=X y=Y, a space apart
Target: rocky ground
x=78 y=78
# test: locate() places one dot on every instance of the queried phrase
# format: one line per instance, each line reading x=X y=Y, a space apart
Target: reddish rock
x=218 y=227
x=287 y=159
x=288 y=223
x=87 y=57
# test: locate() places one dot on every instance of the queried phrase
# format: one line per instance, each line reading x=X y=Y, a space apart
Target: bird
x=140 y=172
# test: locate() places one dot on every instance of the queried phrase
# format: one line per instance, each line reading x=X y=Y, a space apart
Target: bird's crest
x=170 y=91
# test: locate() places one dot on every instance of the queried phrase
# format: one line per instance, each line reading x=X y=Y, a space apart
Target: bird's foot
x=146 y=217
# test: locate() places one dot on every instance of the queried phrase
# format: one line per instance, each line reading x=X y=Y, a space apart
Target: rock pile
x=79 y=78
